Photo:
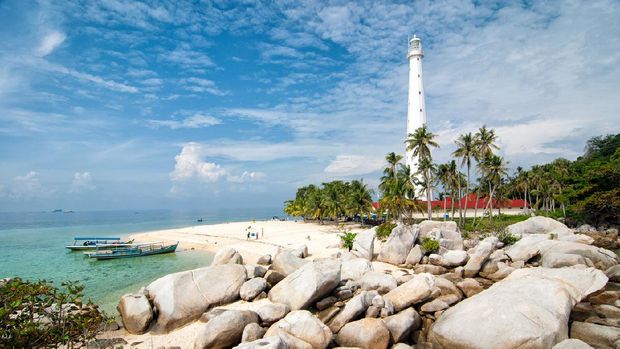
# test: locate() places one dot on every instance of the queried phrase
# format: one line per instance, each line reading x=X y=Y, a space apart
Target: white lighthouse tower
x=416 y=109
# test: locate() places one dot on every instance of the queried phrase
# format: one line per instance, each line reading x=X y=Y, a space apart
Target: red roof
x=471 y=203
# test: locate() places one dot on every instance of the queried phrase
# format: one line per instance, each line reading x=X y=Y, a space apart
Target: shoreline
x=321 y=240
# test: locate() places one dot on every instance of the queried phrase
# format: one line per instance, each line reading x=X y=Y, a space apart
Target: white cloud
x=350 y=165
x=194 y=121
x=246 y=177
x=189 y=164
x=50 y=42
x=199 y=85
x=82 y=181
x=25 y=187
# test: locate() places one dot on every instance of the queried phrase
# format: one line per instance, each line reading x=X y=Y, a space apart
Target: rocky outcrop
x=252 y=332
x=304 y=326
x=533 y=245
x=252 y=288
x=225 y=330
x=363 y=244
x=308 y=284
x=272 y=312
x=136 y=313
x=227 y=255
x=477 y=256
x=539 y=225
x=399 y=244
x=535 y=304
x=402 y=324
x=447 y=233
x=411 y=292
x=355 y=268
x=364 y=334
x=285 y=262
x=450 y=259
x=415 y=255
x=571 y=343
x=353 y=309
x=597 y=335
x=183 y=297
x=375 y=280
x=273 y=342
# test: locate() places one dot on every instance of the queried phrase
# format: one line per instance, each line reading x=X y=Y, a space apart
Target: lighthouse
x=416 y=109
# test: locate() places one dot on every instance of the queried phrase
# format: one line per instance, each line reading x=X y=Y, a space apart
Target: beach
x=321 y=240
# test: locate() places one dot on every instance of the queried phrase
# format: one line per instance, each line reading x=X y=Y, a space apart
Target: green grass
x=496 y=225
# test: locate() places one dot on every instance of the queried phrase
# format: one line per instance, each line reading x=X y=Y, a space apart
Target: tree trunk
x=460 y=207
x=476 y=205
x=429 y=206
x=466 y=195
x=445 y=206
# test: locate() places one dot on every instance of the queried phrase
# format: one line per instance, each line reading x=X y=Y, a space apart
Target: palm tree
x=466 y=150
x=485 y=142
x=359 y=200
x=420 y=142
x=425 y=169
x=494 y=169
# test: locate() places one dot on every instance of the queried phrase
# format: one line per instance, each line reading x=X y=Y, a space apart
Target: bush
x=39 y=315
x=384 y=230
x=346 y=239
x=507 y=238
x=430 y=245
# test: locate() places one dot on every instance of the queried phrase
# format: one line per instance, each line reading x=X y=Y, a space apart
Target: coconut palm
x=466 y=150
x=359 y=200
x=485 y=142
x=494 y=169
x=420 y=142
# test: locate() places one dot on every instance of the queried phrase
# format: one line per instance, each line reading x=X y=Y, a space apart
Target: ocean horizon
x=32 y=246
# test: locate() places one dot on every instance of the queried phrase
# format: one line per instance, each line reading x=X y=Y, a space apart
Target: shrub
x=346 y=239
x=384 y=230
x=507 y=238
x=39 y=315
x=430 y=245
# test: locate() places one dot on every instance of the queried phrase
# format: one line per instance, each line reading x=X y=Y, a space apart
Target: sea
x=32 y=246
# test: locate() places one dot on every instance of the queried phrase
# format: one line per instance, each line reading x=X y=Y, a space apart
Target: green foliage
x=384 y=230
x=346 y=239
x=507 y=238
x=37 y=314
x=499 y=223
x=333 y=200
x=430 y=245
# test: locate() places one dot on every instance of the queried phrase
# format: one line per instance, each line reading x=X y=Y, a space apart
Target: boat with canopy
x=85 y=243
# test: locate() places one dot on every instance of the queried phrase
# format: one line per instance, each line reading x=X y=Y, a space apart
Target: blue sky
x=170 y=104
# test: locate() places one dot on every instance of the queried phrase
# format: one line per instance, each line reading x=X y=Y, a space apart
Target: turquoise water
x=32 y=247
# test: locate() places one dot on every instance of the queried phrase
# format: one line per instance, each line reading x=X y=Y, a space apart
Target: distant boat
x=84 y=243
x=58 y=210
x=138 y=250
x=199 y=220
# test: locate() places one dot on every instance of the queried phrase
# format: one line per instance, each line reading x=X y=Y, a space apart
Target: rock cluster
x=550 y=289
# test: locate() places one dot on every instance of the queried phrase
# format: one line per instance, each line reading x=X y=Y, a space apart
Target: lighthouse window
x=419 y=92
x=418 y=58
x=420 y=109
x=418 y=75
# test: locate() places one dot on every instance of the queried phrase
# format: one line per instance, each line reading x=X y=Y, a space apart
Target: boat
x=103 y=252
x=85 y=243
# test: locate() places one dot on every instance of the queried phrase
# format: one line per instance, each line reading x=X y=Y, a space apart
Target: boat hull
x=118 y=254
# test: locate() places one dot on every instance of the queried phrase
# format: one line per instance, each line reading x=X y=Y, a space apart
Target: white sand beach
x=321 y=240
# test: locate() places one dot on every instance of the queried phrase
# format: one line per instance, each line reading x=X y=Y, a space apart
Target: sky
x=116 y=104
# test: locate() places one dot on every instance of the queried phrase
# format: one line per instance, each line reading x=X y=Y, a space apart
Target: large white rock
x=414 y=256
x=225 y=330
x=411 y=292
x=355 y=268
x=252 y=288
x=402 y=324
x=227 y=255
x=286 y=262
x=572 y=343
x=530 y=309
x=376 y=280
x=273 y=342
x=450 y=259
x=183 y=297
x=539 y=225
x=399 y=244
x=365 y=334
x=477 y=256
x=272 y=312
x=307 y=284
x=136 y=313
x=532 y=245
x=354 y=308
x=303 y=325
x=447 y=233
x=363 y=244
